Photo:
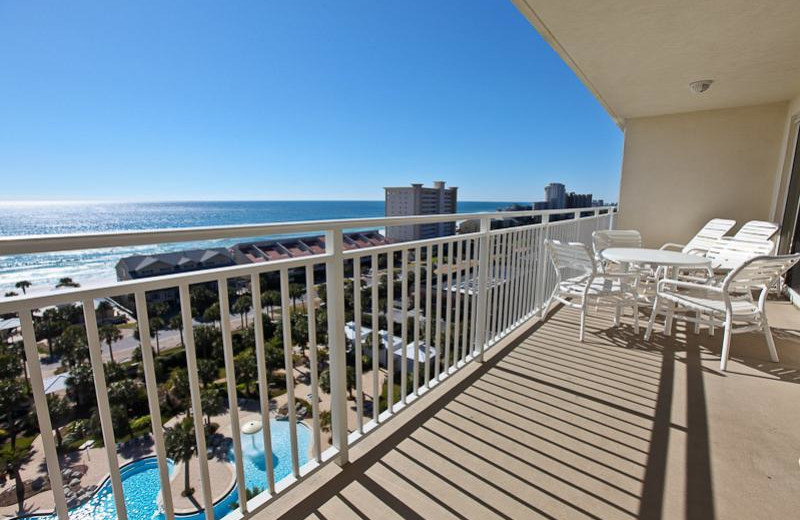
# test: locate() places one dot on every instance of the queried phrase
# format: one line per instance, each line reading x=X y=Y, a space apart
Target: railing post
x=334 y=276
x=542 y=274
x=612 y=215
x=483 y=286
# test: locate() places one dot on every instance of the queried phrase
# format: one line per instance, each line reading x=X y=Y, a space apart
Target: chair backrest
x=570 y=256
x=711 y=233
x=615 y=238
x=761 y=271
x=732 y=252
x=757 y=230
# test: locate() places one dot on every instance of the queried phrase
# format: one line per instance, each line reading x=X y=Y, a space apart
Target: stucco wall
x=680 y=170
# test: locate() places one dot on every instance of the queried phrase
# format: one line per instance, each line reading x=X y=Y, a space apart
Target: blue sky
x=259 y=100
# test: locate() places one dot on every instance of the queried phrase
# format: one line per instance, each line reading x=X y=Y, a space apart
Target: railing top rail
x=18 y=245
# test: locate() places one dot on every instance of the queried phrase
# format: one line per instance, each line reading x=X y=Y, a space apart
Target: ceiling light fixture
x=698 y=87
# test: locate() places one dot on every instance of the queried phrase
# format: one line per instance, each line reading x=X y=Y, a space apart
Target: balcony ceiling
x=638 y=57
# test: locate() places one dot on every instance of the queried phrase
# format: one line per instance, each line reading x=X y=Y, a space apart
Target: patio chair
x=730 y=304
x=702 y=242
x=578 y=278
x=607 y=238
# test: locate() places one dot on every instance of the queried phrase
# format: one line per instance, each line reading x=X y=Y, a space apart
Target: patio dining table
x=671 y=260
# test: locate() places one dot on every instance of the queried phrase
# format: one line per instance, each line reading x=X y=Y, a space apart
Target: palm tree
x=50 y=325
x=270 y=299
x=23 y=285
x=110 y=334
x=176 y=323
x=296 y=291
x=180 y=444
x=12 y=460
x=60 y=411
x=241 y=307
x=211 y=403
x=212 y=313
x=66 y=282
x=156 y=325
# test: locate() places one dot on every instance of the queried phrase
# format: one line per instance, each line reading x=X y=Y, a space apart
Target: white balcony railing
x=459 y=295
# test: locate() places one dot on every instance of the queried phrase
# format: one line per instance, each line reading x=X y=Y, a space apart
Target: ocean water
x=91 y=267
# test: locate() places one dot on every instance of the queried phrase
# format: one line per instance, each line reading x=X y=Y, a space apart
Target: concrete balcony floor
x=615 y=427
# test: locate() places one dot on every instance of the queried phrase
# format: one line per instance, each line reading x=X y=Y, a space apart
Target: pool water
x=142 y=485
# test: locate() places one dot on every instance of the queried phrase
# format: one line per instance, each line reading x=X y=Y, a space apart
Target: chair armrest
x=631 y=275
x=672 y=245
x=688 y=285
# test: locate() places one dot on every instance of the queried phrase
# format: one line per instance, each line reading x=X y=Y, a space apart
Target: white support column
x=334 y=275
x=43 y=413
x=483 y=286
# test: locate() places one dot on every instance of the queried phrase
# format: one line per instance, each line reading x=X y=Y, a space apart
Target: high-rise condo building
x=418 y=200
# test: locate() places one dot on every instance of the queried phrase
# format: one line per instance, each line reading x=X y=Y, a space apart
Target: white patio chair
x=578 y=278
x=729 y=304
x=607 y=238
x=705 y=238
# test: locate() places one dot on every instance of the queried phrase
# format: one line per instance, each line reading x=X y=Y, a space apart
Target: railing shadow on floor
x=551 y=403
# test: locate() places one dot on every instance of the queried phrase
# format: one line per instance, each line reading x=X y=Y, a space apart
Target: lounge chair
x=705 y=239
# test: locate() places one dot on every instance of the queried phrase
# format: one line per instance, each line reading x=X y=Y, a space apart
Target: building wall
x=681 y=170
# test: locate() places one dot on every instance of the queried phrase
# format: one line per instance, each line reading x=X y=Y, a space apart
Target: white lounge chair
x=727 y=254
x=756 y=230
x=729 y=304
x=578 y=278
x=702 y=242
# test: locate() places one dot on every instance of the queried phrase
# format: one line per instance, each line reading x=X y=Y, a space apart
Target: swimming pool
x=141 y=482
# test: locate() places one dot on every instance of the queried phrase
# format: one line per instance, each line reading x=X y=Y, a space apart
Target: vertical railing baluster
x=438 y=328
x=504 y=286
x=375 y=340
x=194 y=392
x=457 y=305
x=263 y=383
x=464 y=287
x=428 y=315
x=43 y=413
x=494 y=309
x=530 y=270
x=311 y=319
x=151 y=386
x=404 y=325
x=417 y=284
x=288 y=351
x=519 y=271
x=334 y=275
x=103 y=407
x=390 y=331
x=473 y=292
x=357 y=343
x=512 y=285
x=448 y=306
x=541 y=289
x=230 y=383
